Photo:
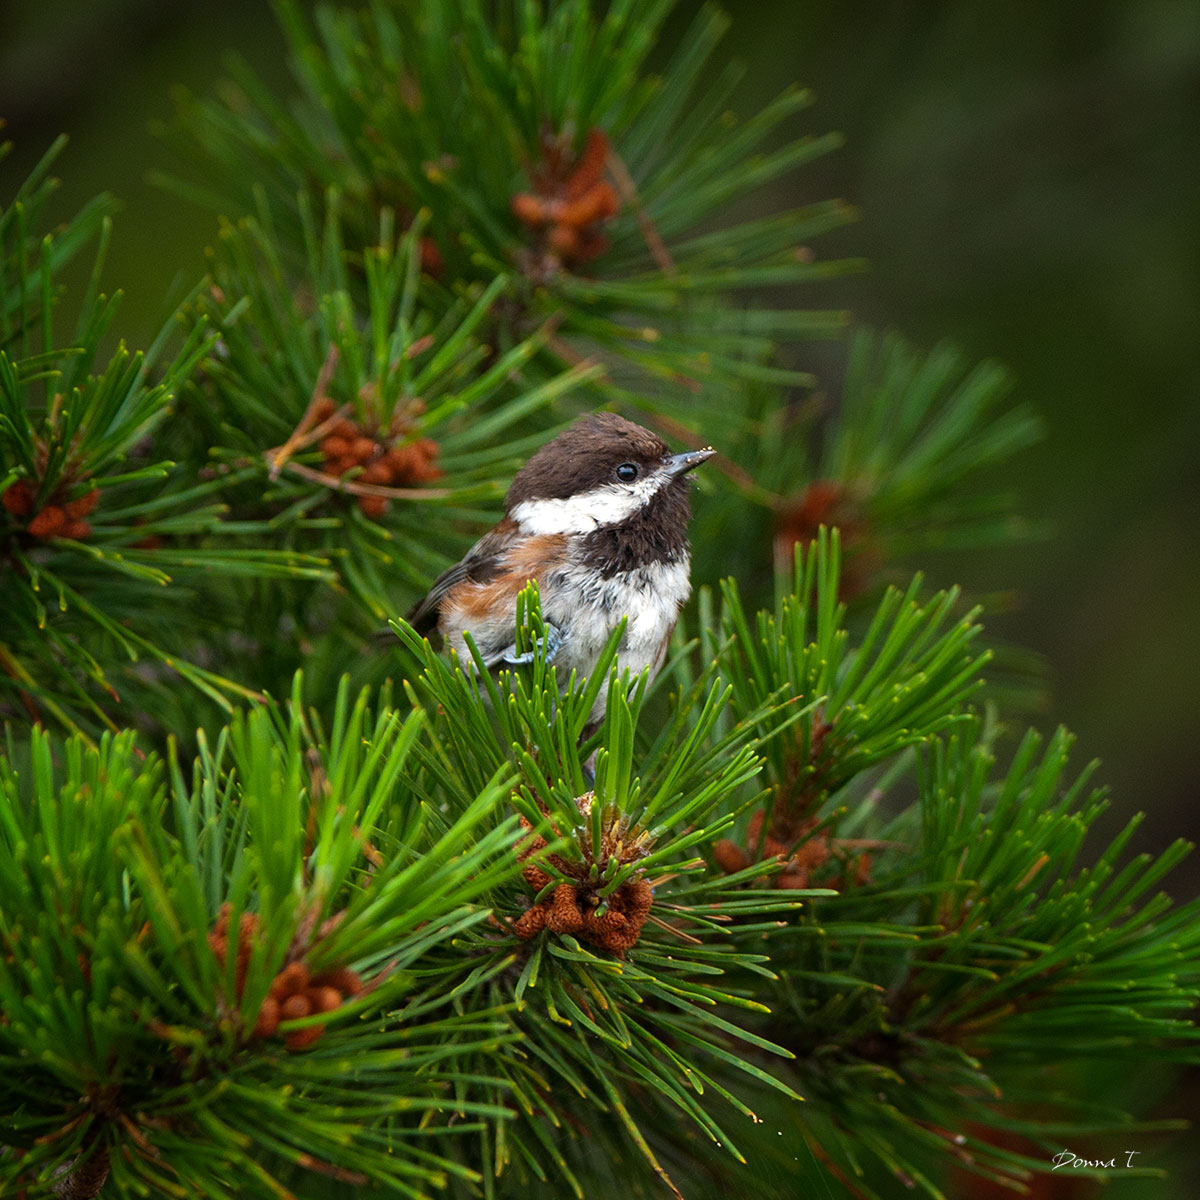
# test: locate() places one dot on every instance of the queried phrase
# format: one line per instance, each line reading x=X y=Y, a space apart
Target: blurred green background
x=1027 y=177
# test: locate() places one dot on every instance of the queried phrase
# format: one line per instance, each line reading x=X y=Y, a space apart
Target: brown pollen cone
x=19 y=498
x=564 y=915
x=83 y=506
x=801 y=851
x=294 y=992
x=612 y=923
x=378 y=457
x=569 y=203
x=50 y=522
x=59 y=517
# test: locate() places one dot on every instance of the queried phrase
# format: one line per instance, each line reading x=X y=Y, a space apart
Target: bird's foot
x=548 y=645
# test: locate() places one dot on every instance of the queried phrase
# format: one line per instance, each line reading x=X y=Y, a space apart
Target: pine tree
x=291 y=904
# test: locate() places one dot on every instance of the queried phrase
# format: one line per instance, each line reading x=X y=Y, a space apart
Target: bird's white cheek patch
x=587 y=511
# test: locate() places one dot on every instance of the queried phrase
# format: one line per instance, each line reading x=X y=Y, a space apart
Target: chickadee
x=598 y=518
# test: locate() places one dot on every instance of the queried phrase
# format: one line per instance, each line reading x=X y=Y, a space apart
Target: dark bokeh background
x=1027 y=175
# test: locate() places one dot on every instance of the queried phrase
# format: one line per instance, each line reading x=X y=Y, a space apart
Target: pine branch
x=94 y=521
x=333 y=417
x=617 y=946
x=25 y=245
x=924 y=1002
x=220 y=950
x=586 y=173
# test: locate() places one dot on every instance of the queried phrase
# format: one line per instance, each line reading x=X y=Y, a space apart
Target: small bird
x=598 y=518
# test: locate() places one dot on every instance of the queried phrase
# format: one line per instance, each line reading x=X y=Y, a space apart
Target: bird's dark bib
x=655 y=534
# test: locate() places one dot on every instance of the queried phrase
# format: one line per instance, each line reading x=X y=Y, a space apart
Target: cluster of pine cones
x=59 y=517
x=295 y=991
x=570 y=200
x=613 y=923
x=800 y=854
x=382 y=459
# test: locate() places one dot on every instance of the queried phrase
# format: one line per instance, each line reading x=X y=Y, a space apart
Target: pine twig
x=629 y=193
x=301 y=436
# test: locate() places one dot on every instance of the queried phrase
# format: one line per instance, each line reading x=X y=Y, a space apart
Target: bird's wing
x=481 y=563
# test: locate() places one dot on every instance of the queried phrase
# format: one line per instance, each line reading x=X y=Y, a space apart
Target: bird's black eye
x=627 y=472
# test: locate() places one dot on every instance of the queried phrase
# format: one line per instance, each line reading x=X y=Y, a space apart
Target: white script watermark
x=1066 y=1158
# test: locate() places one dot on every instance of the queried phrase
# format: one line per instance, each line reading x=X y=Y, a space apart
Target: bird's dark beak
x=679 y=464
